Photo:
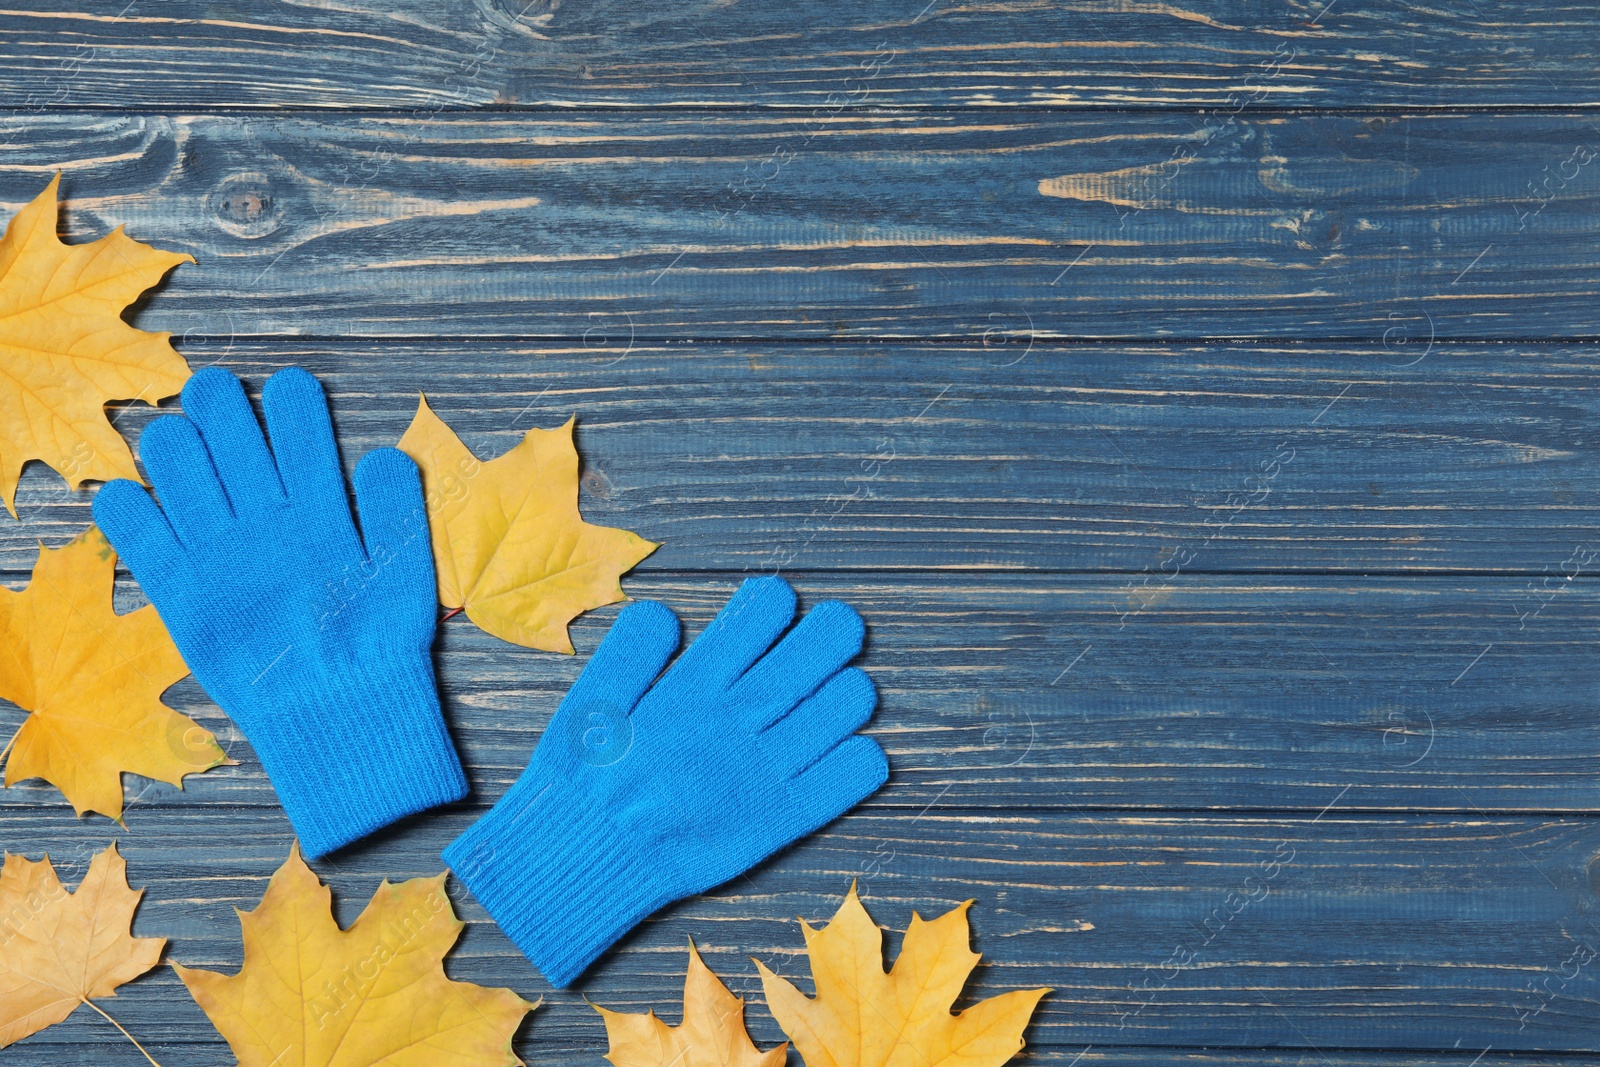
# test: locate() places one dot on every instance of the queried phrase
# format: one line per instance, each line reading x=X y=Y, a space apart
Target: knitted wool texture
x=314 y=639
x=640 y=794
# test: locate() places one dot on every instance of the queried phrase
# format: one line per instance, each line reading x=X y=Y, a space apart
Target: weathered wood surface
x=1147 y=609
x=810 y=54
x=194 y=1054
x=1066 y=693
x=998 y=227
x=1339 y=931
x=205 y=1055
x=1158 y=459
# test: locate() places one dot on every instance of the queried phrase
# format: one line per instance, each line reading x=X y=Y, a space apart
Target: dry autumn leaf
x=862 y=1017
x=313 y=995
x=508 y=542
x=712 y=1033
x=60 y=949
x=65 y=351
x=92 y=681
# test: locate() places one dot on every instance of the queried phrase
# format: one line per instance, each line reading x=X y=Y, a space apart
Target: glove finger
x=394 y=518
x=308 y=460
x=821 y=721
x=180 y=470
x=138 y=530
x=639 y=644
x=215 y=402
x=825 y=640
x=837 y=782
x=744 y=629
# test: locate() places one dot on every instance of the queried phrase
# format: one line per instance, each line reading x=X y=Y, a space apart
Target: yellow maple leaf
x=313 y=995
x=65 y=351
x=508 y=542
x=92 y=681
x=712 y=1033
x=60 y=949
x=862 y=1017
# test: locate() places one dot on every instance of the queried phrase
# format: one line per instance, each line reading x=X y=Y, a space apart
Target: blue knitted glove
x=641 y=794
x=314 y=639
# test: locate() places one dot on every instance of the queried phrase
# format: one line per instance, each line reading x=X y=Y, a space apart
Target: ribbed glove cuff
x=559 y=880
x=358 y=752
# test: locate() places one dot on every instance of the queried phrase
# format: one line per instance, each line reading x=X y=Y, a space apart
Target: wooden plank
x=1150 y=460
x=1223 y=55
x=1364 y=932
x=44 y=1053
x=1031 y=694
x=990 y=228
x=40 y=1052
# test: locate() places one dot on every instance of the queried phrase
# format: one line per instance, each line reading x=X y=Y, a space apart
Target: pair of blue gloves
x=315 y=637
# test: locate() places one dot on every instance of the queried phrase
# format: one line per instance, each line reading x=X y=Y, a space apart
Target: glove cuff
x=562 y=882
x=359 y=751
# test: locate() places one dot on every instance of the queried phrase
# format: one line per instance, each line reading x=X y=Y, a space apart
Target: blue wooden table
x=1198 y=401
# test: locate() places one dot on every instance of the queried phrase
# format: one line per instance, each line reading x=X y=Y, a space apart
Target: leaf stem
x=9 y=743
x=125 y=1033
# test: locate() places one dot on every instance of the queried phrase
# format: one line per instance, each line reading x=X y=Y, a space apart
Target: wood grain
x=1344 y=931
x=1274 y=658
x=1021 y=693
x=995 y=228
x=209 y=1054
x=197 y=1054
x=807 y=54
x=1152 y=460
